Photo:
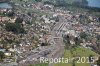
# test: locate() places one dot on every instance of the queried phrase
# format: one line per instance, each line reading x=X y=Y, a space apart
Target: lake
x=94 y=3
x=5 y=5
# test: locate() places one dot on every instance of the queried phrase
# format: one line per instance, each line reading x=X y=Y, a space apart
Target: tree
x=11 y=14
x=98 y=37
x=66 y=37
x=49 y=2
x=2 y=55
x=73 y=64
x=98 y=62
x=83 y=35
x=14 y=27
x=38 y=0
x=67 y=41
x=61 y=3
x=21 y=0
x=57 y=19
x=44 y=44
x=77 y=41
x=90 y=60
x=29 y=14
x=19 y=20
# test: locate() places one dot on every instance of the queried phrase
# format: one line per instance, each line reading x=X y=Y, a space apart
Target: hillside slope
x=77 y=2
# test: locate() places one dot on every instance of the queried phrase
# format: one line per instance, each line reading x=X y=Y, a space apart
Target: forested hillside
x=64 y=2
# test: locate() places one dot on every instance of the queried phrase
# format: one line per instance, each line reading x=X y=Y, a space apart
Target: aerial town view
x=49 y=32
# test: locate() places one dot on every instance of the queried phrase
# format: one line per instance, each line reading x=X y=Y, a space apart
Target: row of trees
x=67 y=40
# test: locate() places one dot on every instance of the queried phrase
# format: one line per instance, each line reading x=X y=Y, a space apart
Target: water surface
x=5 y=5
x=94 y=3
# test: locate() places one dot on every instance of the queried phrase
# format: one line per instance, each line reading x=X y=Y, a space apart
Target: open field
x=81 y=52
x=42 y=64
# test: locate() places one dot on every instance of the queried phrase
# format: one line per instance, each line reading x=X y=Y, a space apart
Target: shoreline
x=3 y=1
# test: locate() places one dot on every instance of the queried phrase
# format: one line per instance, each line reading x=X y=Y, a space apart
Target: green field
x=81 y=52
x=42 y=64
